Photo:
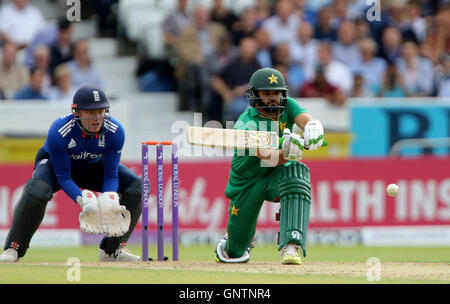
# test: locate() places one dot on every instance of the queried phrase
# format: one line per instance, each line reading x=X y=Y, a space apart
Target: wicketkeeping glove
x=90 y=216
x=292 y=145
x=313 y=135
x=115 y=218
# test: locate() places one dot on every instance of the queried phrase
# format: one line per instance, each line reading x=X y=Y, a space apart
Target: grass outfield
x=341 y=265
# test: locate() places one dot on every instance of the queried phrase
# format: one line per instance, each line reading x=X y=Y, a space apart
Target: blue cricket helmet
x=90 y=97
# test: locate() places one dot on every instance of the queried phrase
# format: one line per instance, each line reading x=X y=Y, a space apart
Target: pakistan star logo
x=234 y=211
x=273 y=79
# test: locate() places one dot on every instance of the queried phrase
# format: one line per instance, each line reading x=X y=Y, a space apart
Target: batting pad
x=295 y=201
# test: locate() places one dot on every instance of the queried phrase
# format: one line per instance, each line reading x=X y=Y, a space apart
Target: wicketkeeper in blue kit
x=81 y=155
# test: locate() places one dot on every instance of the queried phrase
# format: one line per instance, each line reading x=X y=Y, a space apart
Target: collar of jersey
x=255 y=113
x=84 y=135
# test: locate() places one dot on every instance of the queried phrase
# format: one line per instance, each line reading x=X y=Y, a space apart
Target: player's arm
x=302 y=119
x=59 y=156
x=115 y=219
x=112 y=160
x=271 y=157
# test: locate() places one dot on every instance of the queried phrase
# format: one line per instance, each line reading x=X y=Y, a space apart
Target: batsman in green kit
x=269 y=174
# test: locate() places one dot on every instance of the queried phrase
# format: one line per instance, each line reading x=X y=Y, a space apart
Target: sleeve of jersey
x=60 y=159
x=112 y=160
x=294 y=108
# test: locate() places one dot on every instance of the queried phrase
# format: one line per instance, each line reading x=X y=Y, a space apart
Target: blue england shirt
x=70 y=149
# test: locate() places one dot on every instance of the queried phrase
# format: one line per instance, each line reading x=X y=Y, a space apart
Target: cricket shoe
x=119 y=255
x=222 y=255
x=289 y=255
x=10 y=255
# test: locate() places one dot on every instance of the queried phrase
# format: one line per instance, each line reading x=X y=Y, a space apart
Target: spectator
x=263 y=11
x=340 y=12
x=426 y=50
x=42 y=61
x=63 y=91
x=19 y=22
x=360 y=89
x=356 y=10
x=319 y=87
x=304 y=48
x=13 y=75
x=215 y=64
x=396 y=11
x=392 y=85
x=174 y=23
x=443 y=77
x=231 y=84
x=415 y=22
x=370 y=67
x=377 y=27
x=222 y=15
x=62 y=49
x=220 y=57
x=303 y=11
x=399 y=19
x=81 y=68
x=337 y=74
x=324 y=28
x=105 y=17
x=362 y=29
x=391 y=44
x=195 y=43
x=416 y=71
x=264 y=53
x=283 y=69
x=346 y=49
x=48 y=35
x=282 y=27
x=32 y=91
x=246 y=26
x=439 y=36
x=294 y=71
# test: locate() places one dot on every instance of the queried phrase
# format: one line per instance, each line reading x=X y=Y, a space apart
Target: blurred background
x=376 y=73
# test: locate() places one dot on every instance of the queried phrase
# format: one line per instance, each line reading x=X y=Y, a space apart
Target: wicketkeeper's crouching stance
x=82 y=151
x=273 y=175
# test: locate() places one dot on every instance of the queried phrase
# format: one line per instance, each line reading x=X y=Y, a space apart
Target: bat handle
x=324 y=143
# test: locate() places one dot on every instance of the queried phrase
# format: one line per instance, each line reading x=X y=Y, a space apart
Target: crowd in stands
x=53 y=66
x=329 y=49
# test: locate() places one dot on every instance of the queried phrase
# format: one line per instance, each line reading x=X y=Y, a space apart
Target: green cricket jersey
x=245 y=167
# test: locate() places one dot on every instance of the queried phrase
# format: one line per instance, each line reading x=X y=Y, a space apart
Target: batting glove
x=292 y=146
x=313 y=135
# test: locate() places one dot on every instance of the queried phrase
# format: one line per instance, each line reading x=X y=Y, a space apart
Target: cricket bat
x=231 y=138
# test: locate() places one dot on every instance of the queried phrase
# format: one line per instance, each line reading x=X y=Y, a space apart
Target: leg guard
x=131 y=199
x=295 y=192
x=28 y=214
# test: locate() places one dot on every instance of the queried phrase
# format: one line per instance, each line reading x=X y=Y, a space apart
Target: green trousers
x=246 y=199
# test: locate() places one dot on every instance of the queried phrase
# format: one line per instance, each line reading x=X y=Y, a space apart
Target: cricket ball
x=392 y=190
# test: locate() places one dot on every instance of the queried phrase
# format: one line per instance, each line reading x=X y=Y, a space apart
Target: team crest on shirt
x=101 y=141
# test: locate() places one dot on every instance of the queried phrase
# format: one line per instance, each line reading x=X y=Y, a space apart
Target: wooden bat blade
x=231 y=138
